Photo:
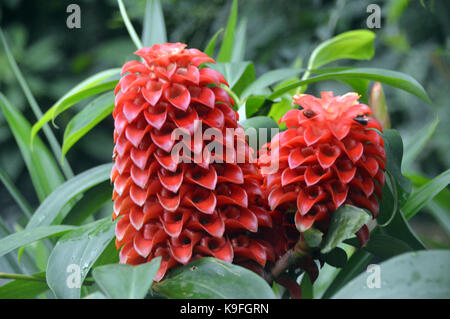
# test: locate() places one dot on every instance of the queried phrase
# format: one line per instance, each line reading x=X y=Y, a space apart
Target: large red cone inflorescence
x=329 y=156
x=178 y=210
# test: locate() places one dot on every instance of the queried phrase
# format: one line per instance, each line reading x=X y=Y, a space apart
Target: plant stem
x=20 y=277
x=130 y=28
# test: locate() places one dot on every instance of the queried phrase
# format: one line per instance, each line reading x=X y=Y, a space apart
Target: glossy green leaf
x=306 y=287
x=27 y=236
x=252 y=105
x=89 y=117
x=336 y=257
x=51 y=207
x=239 y=42
x=154 y=30
x=93 y=199
x=417 y=142
x=393 y=78
x=24 y=289
x=74 y=254
x=385 y=246
x=399 y=228
x=357 y=263
x=258 y=123
x=226 y=49
x=346 y=221
x=393 y=145
x=91 y=86
x=424 y=274
x=268 y=79
x=355 y=44
x=280 y=108
x=238 y=75
x=126 y=281
x=212 y=278
x=209 y=49
x=423 y=195
x=43 y=169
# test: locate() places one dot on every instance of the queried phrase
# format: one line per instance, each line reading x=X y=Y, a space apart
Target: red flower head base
x=180 y=211
x=328 y=156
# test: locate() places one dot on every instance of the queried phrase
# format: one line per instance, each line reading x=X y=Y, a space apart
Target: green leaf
x=89 y=117
x=238 y=74
x=252 y=105
x=27 y=236
x=44 y=171
x=336 y=257
x=306 y=287
x=51 y=207
x=258 y=123
x=209 y=49
x=393 y=78
x=399 y=228
x=417 y=142
x=268 y=79
x=129 y=25
x=126 y=281
x=355 y=44
x=91 y=86
x=239 y=42
x=226 y=50
x=424 y=274
x=393 y=145
x=54 y=145
x=78 y=249
x=423 y=195
x=357 y=263
x=154 y=30
x=212 y=278
x=15 y=194
x=346 y=221
x=280 y=108
x=313 y=237
x=93 y=199
x=24 y=289
x=385 y=246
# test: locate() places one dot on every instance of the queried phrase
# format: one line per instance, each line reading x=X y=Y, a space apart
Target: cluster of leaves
x=63 y=231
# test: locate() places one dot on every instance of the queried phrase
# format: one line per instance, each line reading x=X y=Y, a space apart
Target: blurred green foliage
x=413 y=38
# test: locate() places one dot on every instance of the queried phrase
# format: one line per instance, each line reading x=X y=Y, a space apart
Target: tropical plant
x=62 y=249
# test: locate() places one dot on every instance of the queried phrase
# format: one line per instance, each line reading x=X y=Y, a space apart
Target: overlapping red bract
x=187 y=210
x=329 y=156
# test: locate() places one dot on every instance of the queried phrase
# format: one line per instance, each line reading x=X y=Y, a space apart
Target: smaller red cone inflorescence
x=328 y=156
x=190 y=209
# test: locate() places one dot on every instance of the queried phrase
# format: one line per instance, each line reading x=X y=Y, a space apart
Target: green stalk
x=130 y=28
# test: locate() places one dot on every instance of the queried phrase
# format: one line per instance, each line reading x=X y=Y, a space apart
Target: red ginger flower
x=180 y=211
x=328 y=156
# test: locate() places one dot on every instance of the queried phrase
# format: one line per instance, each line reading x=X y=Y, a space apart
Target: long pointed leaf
x=393 y=78
x=84 y=121
x=89 y=87
x=154 y=30
x=50 y=209
x=43 y=169
x=226 y=50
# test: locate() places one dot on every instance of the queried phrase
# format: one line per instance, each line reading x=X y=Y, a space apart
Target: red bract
x=329 y=156
x=181 y=211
